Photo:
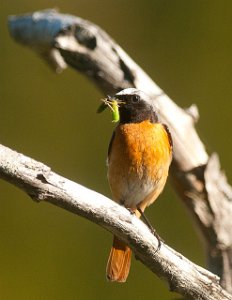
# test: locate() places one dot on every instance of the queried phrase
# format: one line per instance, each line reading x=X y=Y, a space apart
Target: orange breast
x=138 y=162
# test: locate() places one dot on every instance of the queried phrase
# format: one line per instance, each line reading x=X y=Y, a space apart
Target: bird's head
x=130 y=106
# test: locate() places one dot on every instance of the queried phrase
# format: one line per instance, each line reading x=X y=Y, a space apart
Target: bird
x=139 y=156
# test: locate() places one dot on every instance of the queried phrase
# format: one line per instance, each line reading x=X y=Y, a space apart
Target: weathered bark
x=41 y=184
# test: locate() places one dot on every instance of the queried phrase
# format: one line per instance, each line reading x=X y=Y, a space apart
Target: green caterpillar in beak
x=113 y=105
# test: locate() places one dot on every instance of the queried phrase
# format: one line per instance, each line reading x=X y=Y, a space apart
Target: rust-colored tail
x=119 y=261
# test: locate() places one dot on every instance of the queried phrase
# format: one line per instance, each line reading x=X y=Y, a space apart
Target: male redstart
x=139 y=156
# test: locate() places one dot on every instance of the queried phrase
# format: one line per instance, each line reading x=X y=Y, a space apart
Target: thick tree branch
x=41 y=184
x=67 y=40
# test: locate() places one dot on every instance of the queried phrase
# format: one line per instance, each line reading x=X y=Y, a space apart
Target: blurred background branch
x=67 y=40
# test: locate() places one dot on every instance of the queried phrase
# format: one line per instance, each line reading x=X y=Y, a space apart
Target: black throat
x=137 y=116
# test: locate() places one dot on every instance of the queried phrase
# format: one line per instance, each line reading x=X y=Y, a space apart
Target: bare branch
x=197 y=178
x=41 y=184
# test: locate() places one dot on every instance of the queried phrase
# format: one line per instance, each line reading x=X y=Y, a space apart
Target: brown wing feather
x=169 y=135
x=110 y=145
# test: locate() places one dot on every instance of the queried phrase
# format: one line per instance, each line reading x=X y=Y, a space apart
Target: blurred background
x=186 y=47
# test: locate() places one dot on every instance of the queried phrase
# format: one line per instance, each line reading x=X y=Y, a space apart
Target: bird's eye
x=135 y=98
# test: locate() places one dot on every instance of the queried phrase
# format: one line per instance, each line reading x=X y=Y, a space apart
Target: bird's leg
x=131 y=210
x=153 y=231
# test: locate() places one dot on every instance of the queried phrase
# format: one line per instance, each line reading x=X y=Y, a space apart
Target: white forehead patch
x=130 y=91
x=133 y=91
